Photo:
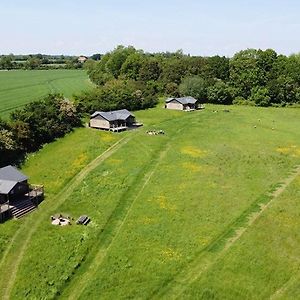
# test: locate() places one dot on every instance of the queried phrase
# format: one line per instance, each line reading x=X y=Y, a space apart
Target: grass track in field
x=217 y=249
x=25 y=237
x=210 y=180
x=118 y=219
x=269 y=244
x=114 y=276
x=60 y=198
x=106 y=137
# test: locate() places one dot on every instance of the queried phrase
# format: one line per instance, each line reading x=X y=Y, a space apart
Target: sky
x=204 y=28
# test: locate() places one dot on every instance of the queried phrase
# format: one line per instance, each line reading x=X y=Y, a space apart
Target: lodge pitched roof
x=11 y=173
x=122 y=114
x=183 y=100
x=6 y=186
x=9 y=177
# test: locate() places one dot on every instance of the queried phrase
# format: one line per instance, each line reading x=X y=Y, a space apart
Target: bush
x=242 y=101
x=219 y=93
x=171 y=88
x=194 y=86
x=46 y=119
x=117 y=94
x=37 y=123
x=8 y=146
x=260 y=96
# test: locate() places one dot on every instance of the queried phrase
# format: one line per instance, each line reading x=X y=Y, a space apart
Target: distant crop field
x=210 y=210
x=20 y=87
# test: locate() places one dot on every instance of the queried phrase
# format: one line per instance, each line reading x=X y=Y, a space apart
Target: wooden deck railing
x=36 y=193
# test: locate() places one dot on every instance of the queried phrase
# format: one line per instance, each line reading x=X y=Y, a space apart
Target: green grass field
x=210 y=210
x=20 y=87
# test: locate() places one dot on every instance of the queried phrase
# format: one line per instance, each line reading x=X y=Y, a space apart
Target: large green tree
x=247 y=75
x=260 y=96
x=132 y=65
x=218 y=67
x=219 y=93
x=6 y=62
x=33 y=63
x=117 y=58
x=150 y=69
x=245 y=72
x=194 y=86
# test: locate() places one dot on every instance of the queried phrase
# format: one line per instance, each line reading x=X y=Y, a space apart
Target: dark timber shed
x=12 y=184
x=17 y=196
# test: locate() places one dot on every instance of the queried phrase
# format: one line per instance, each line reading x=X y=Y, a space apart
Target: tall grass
x=160 y=202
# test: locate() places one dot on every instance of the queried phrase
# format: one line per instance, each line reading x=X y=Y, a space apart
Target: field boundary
x=6 y=285
x=215 y=250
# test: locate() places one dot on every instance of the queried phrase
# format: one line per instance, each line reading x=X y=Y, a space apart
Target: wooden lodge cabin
x=118 y=120
x=184 y=103
x=17 y=196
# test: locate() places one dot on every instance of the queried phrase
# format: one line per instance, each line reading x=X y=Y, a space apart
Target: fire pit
x=60 y=221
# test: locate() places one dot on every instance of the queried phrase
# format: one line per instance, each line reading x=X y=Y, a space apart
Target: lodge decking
x=124 y=127
x=22 y=208
x=5 y=208
x=118 y=128
x=23 y=205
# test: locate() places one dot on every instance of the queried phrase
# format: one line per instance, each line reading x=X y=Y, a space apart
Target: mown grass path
x=279 y=294
x=83 y=281
x=174 y=288
x=15 y=251
x=115 y=224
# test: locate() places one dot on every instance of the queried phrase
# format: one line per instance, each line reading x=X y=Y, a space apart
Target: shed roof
x=183 y=100
x=6 y=186
x=122 y=114
x=11 y=173
x=9 y=177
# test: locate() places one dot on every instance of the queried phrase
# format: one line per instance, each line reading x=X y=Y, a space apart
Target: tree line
x=132 y=79
x=38 y=123
x=251 y=77
x=41 y=62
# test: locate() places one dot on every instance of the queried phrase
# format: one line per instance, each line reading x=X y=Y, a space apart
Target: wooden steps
x=22 y=208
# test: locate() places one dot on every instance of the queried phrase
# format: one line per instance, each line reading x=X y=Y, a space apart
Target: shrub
x=219 y=93
x=37 y=123
x=194 y=86
x=260 y=96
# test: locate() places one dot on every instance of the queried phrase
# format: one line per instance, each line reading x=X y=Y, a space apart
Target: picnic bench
x=83 y=220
